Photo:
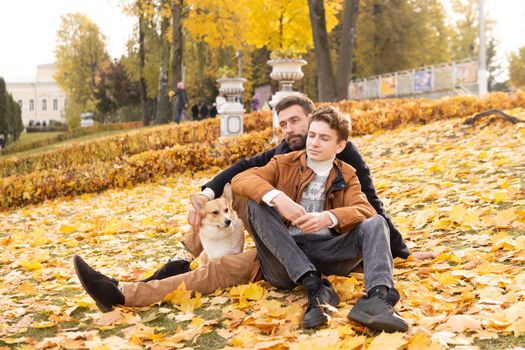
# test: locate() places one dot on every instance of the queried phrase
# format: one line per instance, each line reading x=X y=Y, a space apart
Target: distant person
x=203 y=110
x=195 y=111
x=181 y=101
x=2 y=141
x=256 y=102
x=213 y=110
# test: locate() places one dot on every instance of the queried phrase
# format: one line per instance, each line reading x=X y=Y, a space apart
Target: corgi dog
x=221 y=231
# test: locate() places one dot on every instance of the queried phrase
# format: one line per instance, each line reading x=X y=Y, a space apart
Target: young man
x=308 y=217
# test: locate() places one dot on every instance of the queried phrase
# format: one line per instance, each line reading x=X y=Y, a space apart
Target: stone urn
x=232 y=111
x=231 y=87
x=286 y=71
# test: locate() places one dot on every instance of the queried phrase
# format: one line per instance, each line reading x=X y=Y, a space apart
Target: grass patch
x=40 y=333
x=208 y=341
x=27 y=137
x=502 y=342
x=169 y=326
x=209 y=314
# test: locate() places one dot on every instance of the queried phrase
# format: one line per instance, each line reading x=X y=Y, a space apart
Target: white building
x=42 y=100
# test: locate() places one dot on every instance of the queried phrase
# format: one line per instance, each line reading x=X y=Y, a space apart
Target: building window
x=55 y=104
x=31 y=105
x=20 y=103
x=44 y=105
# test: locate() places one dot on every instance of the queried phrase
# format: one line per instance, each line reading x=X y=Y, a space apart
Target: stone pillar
x=232 y=111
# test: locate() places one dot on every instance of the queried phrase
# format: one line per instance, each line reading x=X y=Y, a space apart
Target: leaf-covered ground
x=457 y=191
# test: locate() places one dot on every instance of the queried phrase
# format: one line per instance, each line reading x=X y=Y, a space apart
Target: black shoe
x=320 y=294
x=376 y=313
x=390 y=295
x=101 y=288
x=172 y=268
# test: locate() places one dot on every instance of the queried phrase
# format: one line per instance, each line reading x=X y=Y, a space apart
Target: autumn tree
x=177 y=7
x=517 y=69
x=400 y=34
x=162 y=113
x=464 y=42
x=144 y=11
x=268 y=25
x=14 y=118
x=115 y=92
x=331 y=87
x=3 y=110
x=80 y=53
x=11 y=125
x=465 y=37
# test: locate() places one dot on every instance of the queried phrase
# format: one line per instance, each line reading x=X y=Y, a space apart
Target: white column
x=482 y=69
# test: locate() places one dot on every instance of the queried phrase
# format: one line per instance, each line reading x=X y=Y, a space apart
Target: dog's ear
x=198 y=203
x=227 y=193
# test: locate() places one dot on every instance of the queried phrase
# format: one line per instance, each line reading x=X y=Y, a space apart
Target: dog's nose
x=227 y=222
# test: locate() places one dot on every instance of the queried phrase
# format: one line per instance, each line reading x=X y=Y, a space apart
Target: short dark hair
x=337 y=120
x=295 y=99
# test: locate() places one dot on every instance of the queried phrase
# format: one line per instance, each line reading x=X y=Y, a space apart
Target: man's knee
x=374 y=225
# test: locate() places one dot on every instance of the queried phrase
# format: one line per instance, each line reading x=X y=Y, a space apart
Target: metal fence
x=442 y=77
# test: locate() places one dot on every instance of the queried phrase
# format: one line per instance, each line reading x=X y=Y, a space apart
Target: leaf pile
x=455 y=190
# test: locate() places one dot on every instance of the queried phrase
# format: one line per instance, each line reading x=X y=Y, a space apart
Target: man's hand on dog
x=313 y=222
x=194 y=217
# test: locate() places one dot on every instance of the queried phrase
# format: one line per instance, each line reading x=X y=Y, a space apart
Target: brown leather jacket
x=290 y=174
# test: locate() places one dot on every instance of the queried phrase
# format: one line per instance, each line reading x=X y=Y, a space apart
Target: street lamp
x=238 y=54
x=482 y=67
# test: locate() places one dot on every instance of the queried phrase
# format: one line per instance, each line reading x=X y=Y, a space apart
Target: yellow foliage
x=243 y=293
x=31 y=265
x=387 y=341
x=182 y=299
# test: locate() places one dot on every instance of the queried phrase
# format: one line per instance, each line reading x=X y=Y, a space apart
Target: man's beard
x=299 y=142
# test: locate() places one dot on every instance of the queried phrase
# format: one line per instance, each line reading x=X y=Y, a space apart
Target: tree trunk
x=163 y=98
x=346 y=47
x=142 y=62
x=176 y=13
x=325 y=73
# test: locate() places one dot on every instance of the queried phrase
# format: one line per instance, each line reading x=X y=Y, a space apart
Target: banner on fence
x=423 y=80
x=467 y=73
x=388 y=86
x=358 y=90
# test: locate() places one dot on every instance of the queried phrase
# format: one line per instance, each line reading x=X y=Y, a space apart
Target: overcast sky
x=28 y=30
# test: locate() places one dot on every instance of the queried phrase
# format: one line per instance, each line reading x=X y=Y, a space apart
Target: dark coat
x=181 y=99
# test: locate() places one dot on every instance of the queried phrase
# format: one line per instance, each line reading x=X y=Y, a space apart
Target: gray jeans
x=285 y=258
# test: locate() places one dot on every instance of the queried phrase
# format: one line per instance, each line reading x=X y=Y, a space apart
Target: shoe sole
x=315 y=323
x=378 y=323
x=99 y=304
